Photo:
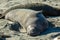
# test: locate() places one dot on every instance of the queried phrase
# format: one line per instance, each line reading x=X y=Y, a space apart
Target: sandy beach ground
x=52 y=33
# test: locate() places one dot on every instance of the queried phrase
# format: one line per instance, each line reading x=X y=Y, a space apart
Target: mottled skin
x=33 y=22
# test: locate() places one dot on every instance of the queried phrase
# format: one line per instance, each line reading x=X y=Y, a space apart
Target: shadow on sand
x=51 y=29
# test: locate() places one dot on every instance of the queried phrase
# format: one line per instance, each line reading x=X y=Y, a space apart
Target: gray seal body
x=33 y=22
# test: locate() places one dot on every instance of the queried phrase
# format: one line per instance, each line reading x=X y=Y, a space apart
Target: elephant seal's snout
x=32 y=30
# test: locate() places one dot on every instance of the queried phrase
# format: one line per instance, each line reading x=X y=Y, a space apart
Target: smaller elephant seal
x=33 y=22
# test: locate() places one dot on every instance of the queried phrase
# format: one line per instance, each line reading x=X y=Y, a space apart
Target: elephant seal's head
x=37 y=23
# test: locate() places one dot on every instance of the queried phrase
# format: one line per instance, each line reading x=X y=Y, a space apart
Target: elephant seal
x=33 y=22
